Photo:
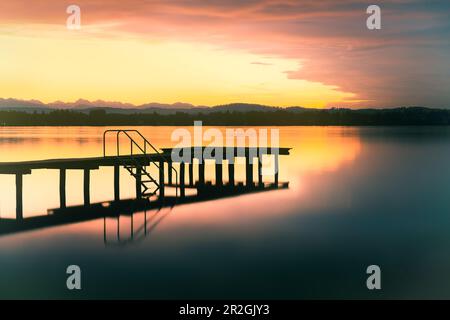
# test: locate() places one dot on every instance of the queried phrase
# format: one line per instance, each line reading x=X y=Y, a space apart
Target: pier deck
x=25 y=167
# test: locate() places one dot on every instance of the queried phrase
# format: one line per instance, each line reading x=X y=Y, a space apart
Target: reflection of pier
x=139 y=158
x=137 y=232
x=62 y=216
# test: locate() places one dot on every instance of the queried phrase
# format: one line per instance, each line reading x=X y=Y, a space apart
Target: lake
x=357 y=196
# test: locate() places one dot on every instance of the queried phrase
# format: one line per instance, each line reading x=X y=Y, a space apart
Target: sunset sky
x=276 y=52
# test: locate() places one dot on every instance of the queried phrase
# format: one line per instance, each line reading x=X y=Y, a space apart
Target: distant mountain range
x=83 y=105
x=113 y=107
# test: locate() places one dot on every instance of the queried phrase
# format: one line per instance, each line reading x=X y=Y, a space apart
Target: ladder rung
x=138 y=174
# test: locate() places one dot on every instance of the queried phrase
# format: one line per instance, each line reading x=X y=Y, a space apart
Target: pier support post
x=169 y=172
x=191 y=172
x=276 y=168
x=19 y=197
x=248 y=171
x=182 y=186
x=260 y=177
x=219 y=181
x=87 y=182
x=62 y=188
x=116 y=182
x=201 y=171
x=138 y=182
x=231 y=171
x=161 y=178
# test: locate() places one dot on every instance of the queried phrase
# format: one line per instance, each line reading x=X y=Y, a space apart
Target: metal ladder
x=138 y=172
x=149 y=185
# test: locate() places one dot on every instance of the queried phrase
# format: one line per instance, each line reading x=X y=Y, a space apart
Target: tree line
x=279 y=117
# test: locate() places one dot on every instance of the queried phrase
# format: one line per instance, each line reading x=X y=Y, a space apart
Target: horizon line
x=182 y=105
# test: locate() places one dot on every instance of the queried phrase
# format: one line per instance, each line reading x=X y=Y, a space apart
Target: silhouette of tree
x=278 y=117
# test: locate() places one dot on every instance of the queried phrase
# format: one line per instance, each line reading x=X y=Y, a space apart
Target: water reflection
x=68 y=215
x=357 y=196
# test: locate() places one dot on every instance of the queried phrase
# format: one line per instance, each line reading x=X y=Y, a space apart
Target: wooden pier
x=140 y=156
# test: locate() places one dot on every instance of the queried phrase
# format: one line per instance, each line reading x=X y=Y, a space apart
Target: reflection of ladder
x=148 y=186
x=136 y=234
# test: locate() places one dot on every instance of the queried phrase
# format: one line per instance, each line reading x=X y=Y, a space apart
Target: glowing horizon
x=160 y=71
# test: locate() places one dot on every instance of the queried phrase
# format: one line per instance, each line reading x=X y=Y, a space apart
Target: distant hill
x=243 y=107
x=86 y=105
x=22 y=105
x=10 y=102
x=126 y=108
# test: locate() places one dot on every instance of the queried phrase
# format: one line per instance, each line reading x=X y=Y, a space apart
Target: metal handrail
x=132 y=141
x=118 y=132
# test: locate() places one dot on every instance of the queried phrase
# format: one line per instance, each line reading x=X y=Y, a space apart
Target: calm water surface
x=357 y=196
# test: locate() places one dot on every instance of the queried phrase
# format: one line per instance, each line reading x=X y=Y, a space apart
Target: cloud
x=406 y=62
x=261 y=63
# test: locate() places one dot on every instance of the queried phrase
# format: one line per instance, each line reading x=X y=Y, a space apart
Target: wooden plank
x=86 y=182
x=191 y=173
x=219 y=173
x=231 y=172
x=92 y=163
x=277 y=168
x=169 y=172
x=260 y=177
x=13 y=170
x=201 y=172
x=62 y=188
x=25 y=167
x=182 y=185
x=161 y=178
x=116 y=182
x=76 y=163
x=248 y=171
x=19 y=196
